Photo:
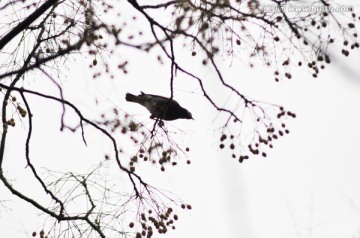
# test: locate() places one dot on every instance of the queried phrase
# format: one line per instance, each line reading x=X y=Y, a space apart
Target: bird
x=160 y=107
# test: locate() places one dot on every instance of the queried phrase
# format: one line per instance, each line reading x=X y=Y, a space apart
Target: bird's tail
x=131 y=98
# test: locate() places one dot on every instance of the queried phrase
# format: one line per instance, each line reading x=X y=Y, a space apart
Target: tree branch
x=26 y=23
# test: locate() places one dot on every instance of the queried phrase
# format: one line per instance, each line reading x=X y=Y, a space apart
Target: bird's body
x=160 y=107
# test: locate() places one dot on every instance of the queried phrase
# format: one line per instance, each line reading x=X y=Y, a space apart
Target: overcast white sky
x=307 y=187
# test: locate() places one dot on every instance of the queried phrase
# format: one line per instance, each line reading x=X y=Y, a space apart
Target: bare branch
x=26 y=23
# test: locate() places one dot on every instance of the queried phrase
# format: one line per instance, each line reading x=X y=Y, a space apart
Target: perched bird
x=160 y=107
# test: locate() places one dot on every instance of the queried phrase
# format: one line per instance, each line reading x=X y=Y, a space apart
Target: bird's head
x=187 y=115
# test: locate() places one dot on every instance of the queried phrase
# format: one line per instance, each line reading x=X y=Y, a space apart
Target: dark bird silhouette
x=160 y=107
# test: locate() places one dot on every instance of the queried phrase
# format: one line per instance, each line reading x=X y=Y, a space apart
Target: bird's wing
x=155 y=96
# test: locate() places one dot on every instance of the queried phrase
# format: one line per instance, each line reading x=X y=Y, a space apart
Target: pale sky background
x=307 y=187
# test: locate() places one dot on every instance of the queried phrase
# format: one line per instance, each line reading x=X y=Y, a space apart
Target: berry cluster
x=161 y=222
x=146 y=146
x=262 y=140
